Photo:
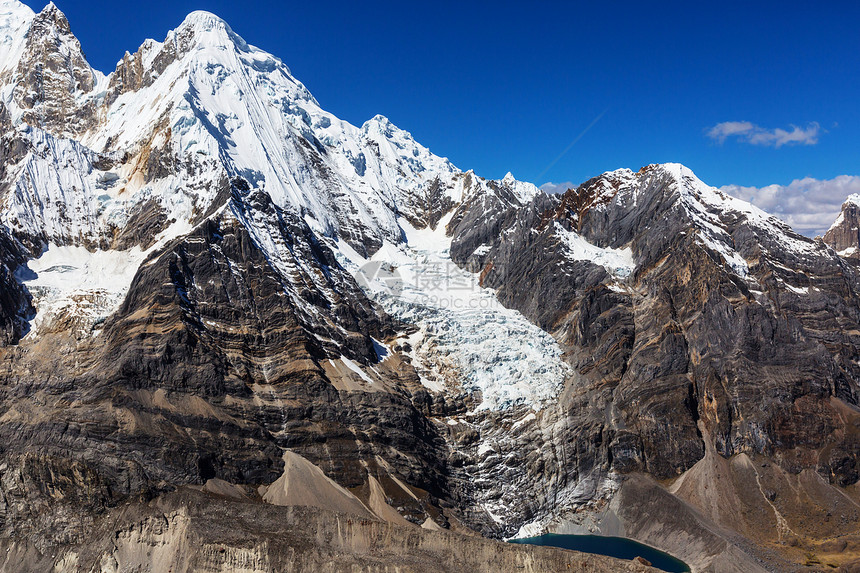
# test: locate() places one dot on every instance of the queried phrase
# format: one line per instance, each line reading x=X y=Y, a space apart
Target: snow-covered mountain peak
x=716 y=215
x=205 y=20
x=46 y=80
x=202 y=30
x=635 y=200
x=853 y=199
x=698 y=195
x=397 y=147
x=380 y=126
x=183 y=116
x=523 y=191
x=202 y=39
x=51 y=25
x=52 y=10
x=379 y=120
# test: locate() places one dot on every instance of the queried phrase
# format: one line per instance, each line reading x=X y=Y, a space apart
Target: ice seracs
x=466 y=341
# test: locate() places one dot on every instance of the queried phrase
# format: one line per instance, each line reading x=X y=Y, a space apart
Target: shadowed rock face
x=213 y=364
x=15 y=304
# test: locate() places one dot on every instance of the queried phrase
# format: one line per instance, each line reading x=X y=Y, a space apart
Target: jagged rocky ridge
x=201 y=268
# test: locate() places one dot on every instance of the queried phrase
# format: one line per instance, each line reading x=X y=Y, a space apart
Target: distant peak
x=208 y=29
x=853 y=199
x=53 y=17
x=204 y=18
x=382 y=124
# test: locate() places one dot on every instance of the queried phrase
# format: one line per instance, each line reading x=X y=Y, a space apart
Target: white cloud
x=809 y=205
x=723 y=130
x=553 y=188
x=756 y=135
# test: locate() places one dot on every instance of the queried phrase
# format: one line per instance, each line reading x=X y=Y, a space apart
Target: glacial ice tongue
x=466 y=339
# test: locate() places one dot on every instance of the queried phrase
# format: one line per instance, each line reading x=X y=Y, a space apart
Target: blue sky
x=498 y=86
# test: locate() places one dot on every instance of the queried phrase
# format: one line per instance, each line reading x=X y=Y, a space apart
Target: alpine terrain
x=240 y=334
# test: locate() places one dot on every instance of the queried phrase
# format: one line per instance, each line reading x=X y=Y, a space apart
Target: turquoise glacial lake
x=619 y=547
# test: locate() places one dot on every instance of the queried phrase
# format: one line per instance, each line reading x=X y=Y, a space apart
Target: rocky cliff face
x=723 y=304
x=201 y=269
x=52 y=82
x=844 y=234
x=15 y=307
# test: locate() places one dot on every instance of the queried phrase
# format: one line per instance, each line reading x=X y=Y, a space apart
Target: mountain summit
x=218 y=299
x=844 y=234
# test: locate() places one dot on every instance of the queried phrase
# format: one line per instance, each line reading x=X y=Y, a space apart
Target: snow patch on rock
x=69 y=280
x=705 y=204
x=618 y=262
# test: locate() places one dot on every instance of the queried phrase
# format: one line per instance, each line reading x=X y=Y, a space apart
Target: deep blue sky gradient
x=504 y=86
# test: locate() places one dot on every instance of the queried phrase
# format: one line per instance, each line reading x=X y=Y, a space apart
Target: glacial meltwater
x=612 y=546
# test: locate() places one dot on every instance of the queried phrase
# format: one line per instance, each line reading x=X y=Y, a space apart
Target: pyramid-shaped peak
x=208 y=29
x=853 y=199
x=203 y=19
x=53 y=17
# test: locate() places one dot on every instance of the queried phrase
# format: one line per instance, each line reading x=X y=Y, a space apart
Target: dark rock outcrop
x=15 y=303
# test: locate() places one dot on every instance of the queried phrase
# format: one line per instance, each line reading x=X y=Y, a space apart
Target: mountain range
x=240 y=334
